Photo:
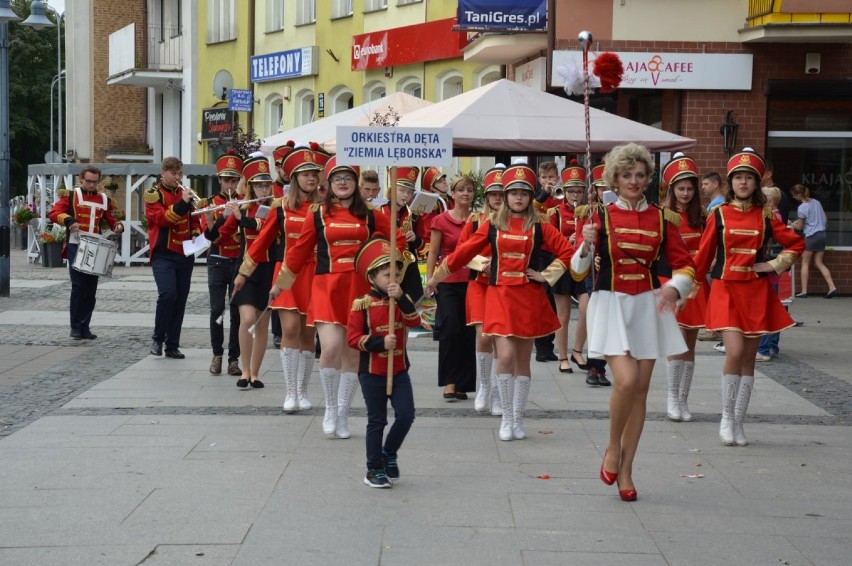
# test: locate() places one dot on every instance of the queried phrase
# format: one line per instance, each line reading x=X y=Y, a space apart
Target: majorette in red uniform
x=518 y=309
x=251 y=293
x=487 y=397
x=279 y=189
x=573 y=179
x=742 y=303
x=630 y=317
x=680 y=182
x=370 y=334
x=333 y=232
x=280 y=231
x=222 y=261
x=81 y=210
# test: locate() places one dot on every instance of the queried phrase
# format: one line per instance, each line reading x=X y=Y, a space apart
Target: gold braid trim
x=783 y=262
x=672 y=216
x=362 y=303
x=554 y=271
x=582 y=211
x=277 y=203
x=285 y=278
x=767 y=212
x=314 y=207
x=152 y=195
x=248 y=266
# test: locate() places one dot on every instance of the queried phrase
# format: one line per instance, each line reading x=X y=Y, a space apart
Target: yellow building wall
x=676 y=20
x=231 y=56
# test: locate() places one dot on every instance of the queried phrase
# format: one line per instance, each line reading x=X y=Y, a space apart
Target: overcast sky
x=58 y=5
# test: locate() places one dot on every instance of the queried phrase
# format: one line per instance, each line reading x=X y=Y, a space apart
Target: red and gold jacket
x=420 y=225
x=368 y=326
x=737 y=235
x=278 y=189
x=691 y=238
x=169 y=219
x=228 y=247
x=280 y=232
x=629 y=244
x=470 y=227
x=512 y=252
x=334 y=239
x=562 y=217
x=248 y=227
x=70 y=208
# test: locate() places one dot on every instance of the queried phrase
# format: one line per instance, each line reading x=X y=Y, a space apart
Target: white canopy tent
x=323 y=131
x=505 y=116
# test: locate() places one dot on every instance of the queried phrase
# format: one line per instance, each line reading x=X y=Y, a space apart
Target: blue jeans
x=373 y=387
x=769 y=342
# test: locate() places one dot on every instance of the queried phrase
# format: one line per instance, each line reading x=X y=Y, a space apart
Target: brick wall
x=118 y=112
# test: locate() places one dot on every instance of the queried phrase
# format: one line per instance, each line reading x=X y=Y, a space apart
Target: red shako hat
x=493 y=180
x=332 y=167
x=430 y=177
x=256 y=169
x=407 y=176
x=321 y=156
x=574 y=175
x=373 y=253
x=519 y=176
x=300 y=159
x=282 y=150
x=229 y=165
x=747 y=160
x=680 y=167
x=597 y=175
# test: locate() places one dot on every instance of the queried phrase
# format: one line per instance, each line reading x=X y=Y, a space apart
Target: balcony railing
x=807 y=12
x=159 y=49
x=757 y=8
x=164 y=48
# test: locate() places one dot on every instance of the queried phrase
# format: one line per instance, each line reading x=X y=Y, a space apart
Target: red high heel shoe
x=607 y=477
x=627 y=494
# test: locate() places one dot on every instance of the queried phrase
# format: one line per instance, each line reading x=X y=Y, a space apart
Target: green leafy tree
x=32 y=66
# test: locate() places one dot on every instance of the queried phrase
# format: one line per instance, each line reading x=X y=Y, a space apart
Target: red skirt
x=751 y=307
x=695 y=311
x=475 y=302
x=332 y=295
x=297 y=297
x=522 y=311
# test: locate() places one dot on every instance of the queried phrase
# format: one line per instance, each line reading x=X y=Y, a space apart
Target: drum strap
x=93 y=205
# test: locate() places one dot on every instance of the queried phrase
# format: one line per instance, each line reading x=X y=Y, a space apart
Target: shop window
x=274 y=114
x=449 y=85
x=339 y=100
x=374 y=91
x=221 y=20
x=411 y=86
x=274 y=15
x=375 y=5
x=486 y=76
x=306 y=12
x=304 y=107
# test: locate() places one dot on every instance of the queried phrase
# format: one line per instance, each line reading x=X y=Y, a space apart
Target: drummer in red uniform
x=81 y=210
x=630 y=315
x=562 y=217
x=251 y=294
x=333 y=232
x=518 y=309
x=487 y=396
x=167 y=209
x=284 y=224
x=742 y=303
x=222 y=262
x=680 y=177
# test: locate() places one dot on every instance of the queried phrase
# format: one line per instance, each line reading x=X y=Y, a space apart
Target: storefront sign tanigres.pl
x=525 y=15
x=693 y=71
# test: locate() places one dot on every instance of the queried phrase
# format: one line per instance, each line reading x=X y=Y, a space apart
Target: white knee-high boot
x=673 y=377
x=519 y=406
x=484 y=361
x=496 y=407
x=506 y=387
x=348 y=385
x=730 y=388
x=290 y=364
x=683 y=392
x=330 y=378
x=303 y=376
x=743 y=398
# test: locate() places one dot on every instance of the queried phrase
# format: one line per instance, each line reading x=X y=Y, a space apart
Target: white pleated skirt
x=620 y=324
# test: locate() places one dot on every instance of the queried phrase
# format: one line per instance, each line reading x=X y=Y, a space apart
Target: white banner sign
x=694 y=71
x=371 y=145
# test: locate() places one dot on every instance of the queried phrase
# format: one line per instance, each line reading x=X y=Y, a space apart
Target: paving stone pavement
x=109 y=456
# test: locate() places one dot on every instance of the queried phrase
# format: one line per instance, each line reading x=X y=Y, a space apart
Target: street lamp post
x=57 y=79
x=6 y=16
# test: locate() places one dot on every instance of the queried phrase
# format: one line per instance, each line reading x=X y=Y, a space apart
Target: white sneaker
x=762 y=358
x=720 y=347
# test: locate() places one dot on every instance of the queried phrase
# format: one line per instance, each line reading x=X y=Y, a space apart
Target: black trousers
x=220 y=283
x=457 y=341
x=173 y=275
x=84 y=288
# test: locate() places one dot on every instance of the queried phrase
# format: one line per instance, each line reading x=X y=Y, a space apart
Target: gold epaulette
x=362 y=303
x=314 y=207
x=277 y=203
x=552 y=211
x=113 y=203
x=767 y=212
x=202 y=203
x=62 y=193
x=582 y=211
x=672 y=216
x=474 y=217
x=371 y=206
x=152 y=195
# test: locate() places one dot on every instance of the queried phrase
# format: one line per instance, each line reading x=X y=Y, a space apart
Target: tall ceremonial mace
x=585 y=40
x=393 y=254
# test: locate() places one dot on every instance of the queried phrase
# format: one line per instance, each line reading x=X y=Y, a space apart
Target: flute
x=221 y=206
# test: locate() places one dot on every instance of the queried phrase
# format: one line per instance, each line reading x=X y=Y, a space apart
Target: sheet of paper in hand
x=423 y=203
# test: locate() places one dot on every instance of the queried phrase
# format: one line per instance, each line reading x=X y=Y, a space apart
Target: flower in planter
x=24 y=215
x=54 y=235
